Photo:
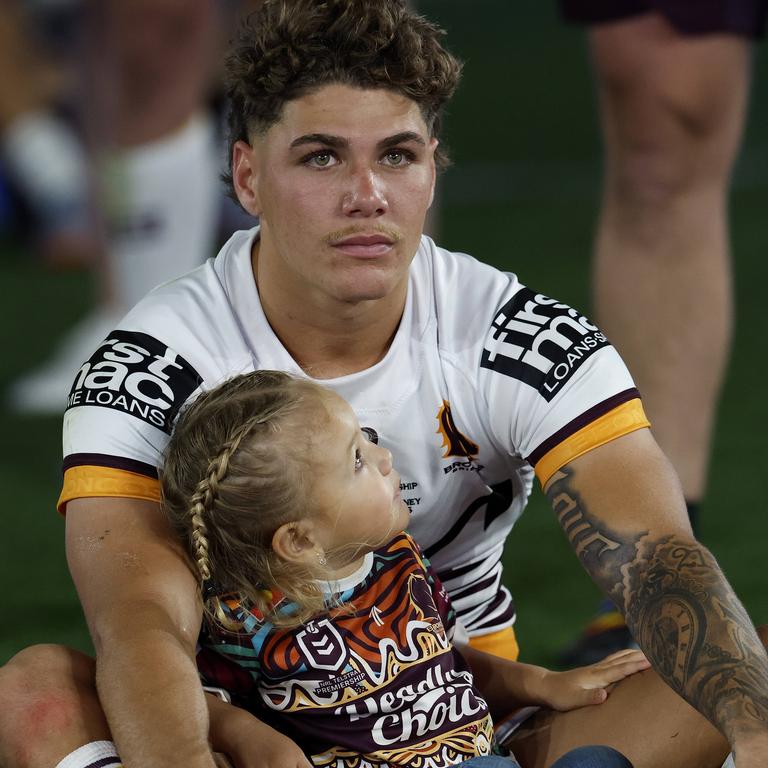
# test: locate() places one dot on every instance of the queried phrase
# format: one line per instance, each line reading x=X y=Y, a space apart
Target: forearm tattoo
x=680 y=609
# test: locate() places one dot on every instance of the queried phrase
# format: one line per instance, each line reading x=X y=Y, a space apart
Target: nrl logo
x=454 y=442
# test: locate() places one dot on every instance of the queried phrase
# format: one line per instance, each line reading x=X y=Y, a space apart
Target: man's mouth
x=363 y=245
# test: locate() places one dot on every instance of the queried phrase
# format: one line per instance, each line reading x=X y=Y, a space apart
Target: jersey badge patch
x=540 y=341
x=138 y=375
x=321 y=644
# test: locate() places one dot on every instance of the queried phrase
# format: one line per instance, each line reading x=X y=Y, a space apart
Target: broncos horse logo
x=454 y=442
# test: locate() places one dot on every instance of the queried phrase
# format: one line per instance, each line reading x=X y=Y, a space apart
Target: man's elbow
x=141 y=622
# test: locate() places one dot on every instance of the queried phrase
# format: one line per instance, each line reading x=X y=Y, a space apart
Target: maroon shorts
x=689 y=17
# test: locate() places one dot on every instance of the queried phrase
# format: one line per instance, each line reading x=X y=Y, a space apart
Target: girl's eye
x=358 y=460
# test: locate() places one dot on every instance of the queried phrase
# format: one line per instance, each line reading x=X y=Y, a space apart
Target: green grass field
x=522 y=195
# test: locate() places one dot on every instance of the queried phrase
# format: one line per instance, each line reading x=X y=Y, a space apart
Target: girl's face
x=356 y=491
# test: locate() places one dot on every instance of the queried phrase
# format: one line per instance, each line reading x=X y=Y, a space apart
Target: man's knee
x=43 y=690
x=55 y=662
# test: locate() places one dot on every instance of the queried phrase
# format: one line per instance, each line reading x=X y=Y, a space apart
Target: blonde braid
x=207 y=490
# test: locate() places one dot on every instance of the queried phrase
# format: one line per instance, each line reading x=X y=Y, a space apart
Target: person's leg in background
x=672 y=108
x=156 y=137
x=673 y=111
x=149 y=66
x=41 y=153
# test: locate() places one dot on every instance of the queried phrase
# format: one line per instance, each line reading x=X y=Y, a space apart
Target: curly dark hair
x=288 y=48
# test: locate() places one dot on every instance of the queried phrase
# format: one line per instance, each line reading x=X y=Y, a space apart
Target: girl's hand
x=589 y=685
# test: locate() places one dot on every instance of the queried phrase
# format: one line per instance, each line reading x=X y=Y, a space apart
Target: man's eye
x=396 y=157
x=358 y=460
x=320 y=159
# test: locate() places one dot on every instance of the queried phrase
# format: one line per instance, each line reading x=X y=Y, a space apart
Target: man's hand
x=247 y=742
x=584 y=686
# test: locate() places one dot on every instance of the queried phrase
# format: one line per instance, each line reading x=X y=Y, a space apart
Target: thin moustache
x=356 y=236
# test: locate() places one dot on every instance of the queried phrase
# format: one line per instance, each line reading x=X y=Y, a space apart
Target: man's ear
x=433 y=142
x=245 y=176
x=296 y=542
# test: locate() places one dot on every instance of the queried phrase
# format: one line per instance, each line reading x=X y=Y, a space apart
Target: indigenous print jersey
x=484 y=381
x=376 y=684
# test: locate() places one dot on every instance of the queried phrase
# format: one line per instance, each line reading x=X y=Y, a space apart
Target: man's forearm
x=681 y=611
x=151 y=694
x=686 y=617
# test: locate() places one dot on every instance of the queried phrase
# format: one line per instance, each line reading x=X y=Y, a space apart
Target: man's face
x=341 y=184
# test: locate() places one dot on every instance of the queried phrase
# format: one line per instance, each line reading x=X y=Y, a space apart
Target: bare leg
x=48 y=707
x=672 y=110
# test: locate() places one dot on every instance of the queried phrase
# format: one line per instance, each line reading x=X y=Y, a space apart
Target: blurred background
x=522 y=194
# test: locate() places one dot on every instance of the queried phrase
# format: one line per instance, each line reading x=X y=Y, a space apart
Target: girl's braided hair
x=288 y=48
x=234 y=472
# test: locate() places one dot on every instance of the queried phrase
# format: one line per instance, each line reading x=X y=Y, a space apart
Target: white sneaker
x=44 y=390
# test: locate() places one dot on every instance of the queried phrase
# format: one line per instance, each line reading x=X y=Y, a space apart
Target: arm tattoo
x=680 y=610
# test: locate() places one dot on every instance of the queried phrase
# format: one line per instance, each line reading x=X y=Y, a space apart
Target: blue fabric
x=489 y=761
x=581 y=757
x=592 y=757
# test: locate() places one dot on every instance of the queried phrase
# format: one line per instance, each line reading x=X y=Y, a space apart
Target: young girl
x=323 y=618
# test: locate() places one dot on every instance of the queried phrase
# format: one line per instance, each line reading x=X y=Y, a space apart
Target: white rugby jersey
x=485 y=380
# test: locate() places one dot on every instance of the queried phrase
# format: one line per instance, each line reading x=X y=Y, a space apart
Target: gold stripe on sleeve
x=501 y=643
x=622 y=420
x=89 y=482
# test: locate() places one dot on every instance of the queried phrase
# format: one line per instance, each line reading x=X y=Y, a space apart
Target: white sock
x=729 y=762
x=97 y=754
x=162 y=207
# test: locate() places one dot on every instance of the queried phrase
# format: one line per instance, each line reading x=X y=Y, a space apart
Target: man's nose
x=365 y=195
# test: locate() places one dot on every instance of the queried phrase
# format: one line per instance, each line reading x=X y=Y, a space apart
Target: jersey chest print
x=540 y=341
x=138 y=375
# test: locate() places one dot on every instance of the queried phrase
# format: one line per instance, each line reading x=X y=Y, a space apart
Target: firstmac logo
x=540 y=341
x=138 y=375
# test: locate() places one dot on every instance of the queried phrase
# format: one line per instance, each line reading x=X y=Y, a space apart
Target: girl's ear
x=295 y=542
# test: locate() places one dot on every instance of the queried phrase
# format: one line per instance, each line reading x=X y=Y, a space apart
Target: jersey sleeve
x=553 y=385
x=119 y=415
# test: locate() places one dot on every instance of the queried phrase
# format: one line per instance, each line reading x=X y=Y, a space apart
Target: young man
x=471 y=379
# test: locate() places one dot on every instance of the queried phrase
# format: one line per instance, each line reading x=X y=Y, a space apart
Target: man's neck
x=328 y=338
